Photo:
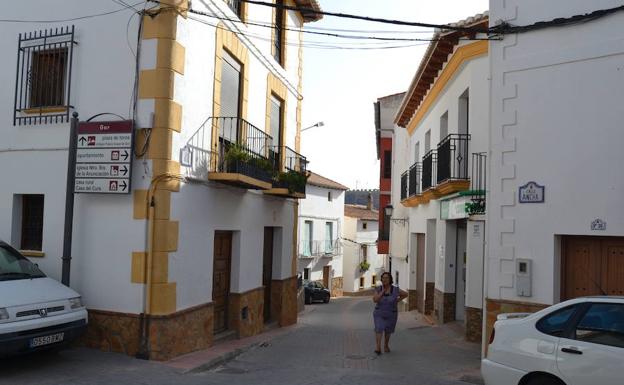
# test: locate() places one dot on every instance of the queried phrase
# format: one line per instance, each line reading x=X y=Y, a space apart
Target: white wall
x=556 y=119
x=352 y=256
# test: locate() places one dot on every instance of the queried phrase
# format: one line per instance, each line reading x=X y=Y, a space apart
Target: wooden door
x=420 y=272
x=267 y=271
x=221 y=279
x=613 y=261
x=326 y=272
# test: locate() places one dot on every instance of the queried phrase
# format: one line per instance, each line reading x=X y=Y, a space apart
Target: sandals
x=378 y=352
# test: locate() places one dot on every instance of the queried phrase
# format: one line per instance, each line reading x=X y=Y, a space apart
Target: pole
x=69 y=199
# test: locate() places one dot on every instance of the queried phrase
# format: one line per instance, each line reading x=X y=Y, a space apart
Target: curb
x=222 y=359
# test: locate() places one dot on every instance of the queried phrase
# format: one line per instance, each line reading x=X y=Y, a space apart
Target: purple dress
x=385 y=314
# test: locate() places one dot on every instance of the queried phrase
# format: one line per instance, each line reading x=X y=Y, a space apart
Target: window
x=329 y=196
x=602 y=324
x=396 y=278
x=364 y=249
x=427 y=141
x=387 y=164
x=306 y=273
x=555 y=323
x=362 y=282
x=276 y=125
x=30 y=218
x=364 y=225
x=329 y=237
x=237 y=7
x=373 y=280
x=385 y=227
x=307 y=238
x=43 y=76
x=231 y=88
x=278 y=41
x=443 y=125
x=417 y=152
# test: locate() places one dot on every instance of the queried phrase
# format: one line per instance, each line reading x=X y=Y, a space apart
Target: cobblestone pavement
x=333 y=344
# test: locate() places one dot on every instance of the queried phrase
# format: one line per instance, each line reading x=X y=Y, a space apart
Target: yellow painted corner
x=137 y=272
x=160 y=267
x=168 y=114
x=165 y=235
x=156 y=83
x=160 y=144
x=163 y=297
x=162 y=209
x=160 y=26
x=139 y=204
x=170 y=55
x=160 y=167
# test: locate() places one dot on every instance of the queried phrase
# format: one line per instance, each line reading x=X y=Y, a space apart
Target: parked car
x=315 y=291
x=36 y=312
x=576 y=342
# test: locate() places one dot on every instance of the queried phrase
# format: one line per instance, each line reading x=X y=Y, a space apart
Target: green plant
x=236 y=153
x=261 y=163
x=364 y=266
x=295 y=181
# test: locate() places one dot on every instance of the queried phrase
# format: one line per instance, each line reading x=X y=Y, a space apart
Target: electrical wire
x=69 y=19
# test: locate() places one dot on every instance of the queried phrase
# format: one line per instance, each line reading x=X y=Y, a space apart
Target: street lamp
x=388 y=210
x=317 y=124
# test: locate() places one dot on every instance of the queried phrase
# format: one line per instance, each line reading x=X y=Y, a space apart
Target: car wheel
x=326 y=299
x=308 y=300
x=544 y=380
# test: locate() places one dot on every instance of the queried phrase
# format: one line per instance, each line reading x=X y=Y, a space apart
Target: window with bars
x=43 y=78
x=387 y=164
x=32 y=222
x=278 y=41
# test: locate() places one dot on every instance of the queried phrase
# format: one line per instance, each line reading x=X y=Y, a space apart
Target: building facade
x=554 y=207
x=321 y=220
x=216 y=109
x=362 y=265
x=442 y=135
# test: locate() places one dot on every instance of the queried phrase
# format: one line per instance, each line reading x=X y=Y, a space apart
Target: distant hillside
x=360 y=197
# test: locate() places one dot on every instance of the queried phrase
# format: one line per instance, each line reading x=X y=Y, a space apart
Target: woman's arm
x=377 y=295
x=402 y=295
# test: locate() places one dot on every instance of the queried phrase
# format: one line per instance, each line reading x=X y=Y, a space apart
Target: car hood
x=32 y=291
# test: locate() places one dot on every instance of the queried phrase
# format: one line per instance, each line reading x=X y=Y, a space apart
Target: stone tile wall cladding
x=444 y=306
x=336 y=287
x=253 y=323
x=284 y=301
x=429 y=290
x=170 y=336
x=474 y=324
x=412 y=300
x=494 y=307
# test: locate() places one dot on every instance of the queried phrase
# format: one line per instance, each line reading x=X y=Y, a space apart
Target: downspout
x=144 y=350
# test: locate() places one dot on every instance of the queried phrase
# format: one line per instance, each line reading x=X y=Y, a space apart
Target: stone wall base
x=284 y=301
x=494 y=307
x=169 y=336
x=246 y=312
x=474 y=324
x=336 y=287
x=412 y=300
x=443 y=306
x=428 y=305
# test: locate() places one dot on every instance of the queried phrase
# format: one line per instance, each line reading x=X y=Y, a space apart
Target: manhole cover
x=356 y=357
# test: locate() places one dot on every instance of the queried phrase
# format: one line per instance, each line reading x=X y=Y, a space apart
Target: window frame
x=571 y=332
x=279 y=31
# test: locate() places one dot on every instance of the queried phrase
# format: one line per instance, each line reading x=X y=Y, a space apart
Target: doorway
x=460 y=272
x=420 y=272
x=326 y=272
x=267 y=271
x=221 y=279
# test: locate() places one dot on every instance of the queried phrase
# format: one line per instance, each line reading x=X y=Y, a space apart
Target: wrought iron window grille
x=43 y=76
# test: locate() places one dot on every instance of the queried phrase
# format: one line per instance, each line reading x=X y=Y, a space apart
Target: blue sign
x=531 y=193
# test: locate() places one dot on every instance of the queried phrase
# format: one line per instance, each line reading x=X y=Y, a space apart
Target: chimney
x=369 y=204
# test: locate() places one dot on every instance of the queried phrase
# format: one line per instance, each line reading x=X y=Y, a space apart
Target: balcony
x=414 y=195
x=429 y=176
x=452 y=164
x=231 y=151
x=477 y=192
x=323 y=249
x=290 y=176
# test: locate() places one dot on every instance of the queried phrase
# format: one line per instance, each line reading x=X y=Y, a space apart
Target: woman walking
x=385 y=315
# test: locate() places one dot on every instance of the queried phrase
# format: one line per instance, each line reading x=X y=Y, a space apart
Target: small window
x=329 y=196
x=555 y=323
x=364 y=225
x=237 y=7
x=396 y=278
x=602 y=324
x=278 y=25
x=364 y=252
x=362 y=282
x=306 y=273
x=387 y=164
x=373 y=280
x=31 y=222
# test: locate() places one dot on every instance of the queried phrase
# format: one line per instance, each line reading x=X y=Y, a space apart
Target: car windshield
x=15 y=266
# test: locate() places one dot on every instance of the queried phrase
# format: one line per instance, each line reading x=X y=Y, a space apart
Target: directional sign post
x=104 y=157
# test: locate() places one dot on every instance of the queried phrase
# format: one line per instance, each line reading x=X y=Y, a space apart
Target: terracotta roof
x=361 y=212
x=307 y=5
x=317 y=180
x=443 y=44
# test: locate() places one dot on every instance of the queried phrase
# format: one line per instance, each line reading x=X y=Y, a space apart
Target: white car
x=36 y=312
x=577 y=342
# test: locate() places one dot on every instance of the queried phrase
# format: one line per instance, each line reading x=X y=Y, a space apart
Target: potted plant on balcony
x=364 y=266
x=293 y=180
x=235 y=157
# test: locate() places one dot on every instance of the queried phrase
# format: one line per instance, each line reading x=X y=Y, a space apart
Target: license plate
x=46 y=340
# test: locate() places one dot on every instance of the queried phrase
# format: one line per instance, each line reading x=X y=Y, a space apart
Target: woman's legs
x=378 y=340
x=387 y=340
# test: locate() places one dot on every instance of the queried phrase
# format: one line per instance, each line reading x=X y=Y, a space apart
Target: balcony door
x=329 y=236
x=307 y=238
x=275 y=152
x=231 y=73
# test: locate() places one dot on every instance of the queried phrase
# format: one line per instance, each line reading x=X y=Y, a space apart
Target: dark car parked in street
x=315 y=291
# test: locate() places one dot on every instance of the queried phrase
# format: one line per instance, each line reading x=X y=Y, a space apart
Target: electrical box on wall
x=524 y=271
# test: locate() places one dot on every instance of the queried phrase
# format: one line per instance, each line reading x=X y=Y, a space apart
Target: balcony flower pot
x=364 y=266
x=293 y=180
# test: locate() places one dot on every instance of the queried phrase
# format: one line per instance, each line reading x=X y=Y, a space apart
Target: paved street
x=333 y=344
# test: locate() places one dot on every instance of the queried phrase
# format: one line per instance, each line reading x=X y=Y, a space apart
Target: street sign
x=104 y=157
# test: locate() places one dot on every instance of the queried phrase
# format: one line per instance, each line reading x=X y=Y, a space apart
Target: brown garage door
x=592 y=266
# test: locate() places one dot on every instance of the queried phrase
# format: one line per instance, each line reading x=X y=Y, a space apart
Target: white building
x=556 y=120
x=362 y=266
x=206 y=241
x=439 y=145
x=321 y=221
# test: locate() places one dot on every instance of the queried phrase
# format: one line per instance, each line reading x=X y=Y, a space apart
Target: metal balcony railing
x=238 y=147
x=453 y=158
x=404 y=182
x=429 y=170
x=322 y=248
x=415 y=172
x=292 y=162
x=478 y=184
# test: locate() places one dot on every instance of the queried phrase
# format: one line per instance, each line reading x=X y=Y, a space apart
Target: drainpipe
x=144 y=349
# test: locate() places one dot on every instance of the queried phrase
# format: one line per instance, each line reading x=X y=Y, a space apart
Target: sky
x=340 y=86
